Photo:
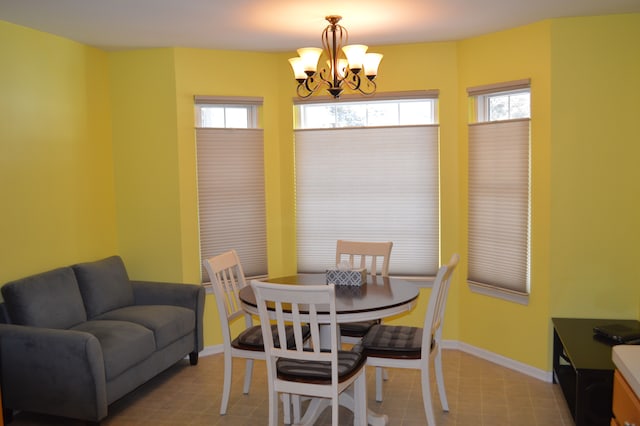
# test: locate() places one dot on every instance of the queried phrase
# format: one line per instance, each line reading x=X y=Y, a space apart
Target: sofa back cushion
x=51 y=299
x=104 y=285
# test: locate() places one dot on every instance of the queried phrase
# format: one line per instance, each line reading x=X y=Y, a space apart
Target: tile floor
x=480 y=393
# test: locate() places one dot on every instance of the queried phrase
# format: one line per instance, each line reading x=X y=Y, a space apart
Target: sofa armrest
x=189 y=296
x=54 y=371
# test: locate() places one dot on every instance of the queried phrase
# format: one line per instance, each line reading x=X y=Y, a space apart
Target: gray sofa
x=76 y=339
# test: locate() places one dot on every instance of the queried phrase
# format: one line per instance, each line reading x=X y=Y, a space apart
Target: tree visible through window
x=508 y=105
x=367 y=114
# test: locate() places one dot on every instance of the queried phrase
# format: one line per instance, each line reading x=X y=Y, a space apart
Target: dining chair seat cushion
x=357 y=329
x=319 y=372
x=251 y=338
x=393 y=341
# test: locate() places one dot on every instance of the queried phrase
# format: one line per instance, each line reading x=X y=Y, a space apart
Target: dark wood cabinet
x=583 y=367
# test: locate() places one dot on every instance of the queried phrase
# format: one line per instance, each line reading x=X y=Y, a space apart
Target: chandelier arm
x=310 y=85
x=353 y=82
x=365 y=86
x=302 y=92
x=369 y=88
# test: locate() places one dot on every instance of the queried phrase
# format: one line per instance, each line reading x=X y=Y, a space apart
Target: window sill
x=499 y=293
x=421 y=282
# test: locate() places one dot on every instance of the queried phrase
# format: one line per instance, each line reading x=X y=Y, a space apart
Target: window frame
x=479 y=117
x=399 y=98
x=355 y=135
x=484 y=110
x=227 y=188
x=251 y=105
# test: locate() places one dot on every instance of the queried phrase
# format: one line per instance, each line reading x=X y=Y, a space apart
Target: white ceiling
x=284 y=25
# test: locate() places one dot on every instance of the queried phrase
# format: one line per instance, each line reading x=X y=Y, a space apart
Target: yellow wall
x=146 y=162
x=595 y=196
x=56 y=163
x=516 y=331
x=114 y=143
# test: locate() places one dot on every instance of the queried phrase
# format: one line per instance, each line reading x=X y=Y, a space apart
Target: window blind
x=368 y=184
x=231 y=200
x=499 y=205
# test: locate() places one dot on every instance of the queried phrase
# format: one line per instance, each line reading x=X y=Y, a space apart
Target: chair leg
x=426 y=397
x=226 y=385
x=273 y=406
x=286 y=407
x=335 y=408
x=360 y=400
x=248 y=372
x=379 y=378
x=296 y=408
x=437 y=362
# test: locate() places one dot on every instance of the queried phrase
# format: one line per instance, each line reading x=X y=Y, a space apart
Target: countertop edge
x=626 y=358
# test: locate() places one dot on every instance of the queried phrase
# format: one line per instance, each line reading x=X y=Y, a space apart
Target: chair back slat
x=227 y=279
x=297 y=306
x=363 y=254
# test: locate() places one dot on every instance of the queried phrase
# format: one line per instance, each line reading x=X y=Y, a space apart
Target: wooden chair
x=305 y=369
x=227 y=279
x=361 y=254
x=411 y=347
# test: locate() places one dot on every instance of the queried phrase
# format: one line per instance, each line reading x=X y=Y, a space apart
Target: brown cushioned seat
x=357 y=329
x=349 y=362
x=251 y=338
x=391 y=341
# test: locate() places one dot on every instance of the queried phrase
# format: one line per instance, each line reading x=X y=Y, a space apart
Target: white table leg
x=373 y=418
x=318 y=405
x=313 y=411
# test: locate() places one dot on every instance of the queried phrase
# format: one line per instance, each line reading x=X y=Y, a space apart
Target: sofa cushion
x=168 y=323
x=104 y=285
x=50 y=299
x=124 y=344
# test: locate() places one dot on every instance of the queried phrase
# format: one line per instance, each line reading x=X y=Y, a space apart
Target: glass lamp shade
x=309 y=57
x=355 y=55
x=298 y=68
x=371 y=63
x=341 y=68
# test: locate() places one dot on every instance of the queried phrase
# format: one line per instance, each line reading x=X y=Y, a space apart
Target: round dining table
x=378 y=298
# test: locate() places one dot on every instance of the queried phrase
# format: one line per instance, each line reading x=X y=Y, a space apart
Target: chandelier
x=349 y=67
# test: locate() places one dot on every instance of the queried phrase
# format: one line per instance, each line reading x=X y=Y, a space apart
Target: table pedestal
x=318 y=405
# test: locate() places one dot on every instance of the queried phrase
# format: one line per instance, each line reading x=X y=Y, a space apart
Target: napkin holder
x=353 y=277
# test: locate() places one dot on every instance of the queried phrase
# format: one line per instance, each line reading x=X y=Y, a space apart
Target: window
x=369 y=184
x=367 y=114
x=231 y=199
x=499 y=193
x=506 y=105
x=226 y=113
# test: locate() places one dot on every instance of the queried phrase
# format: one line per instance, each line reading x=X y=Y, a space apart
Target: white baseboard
x=212 y=350
x=545 y=376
